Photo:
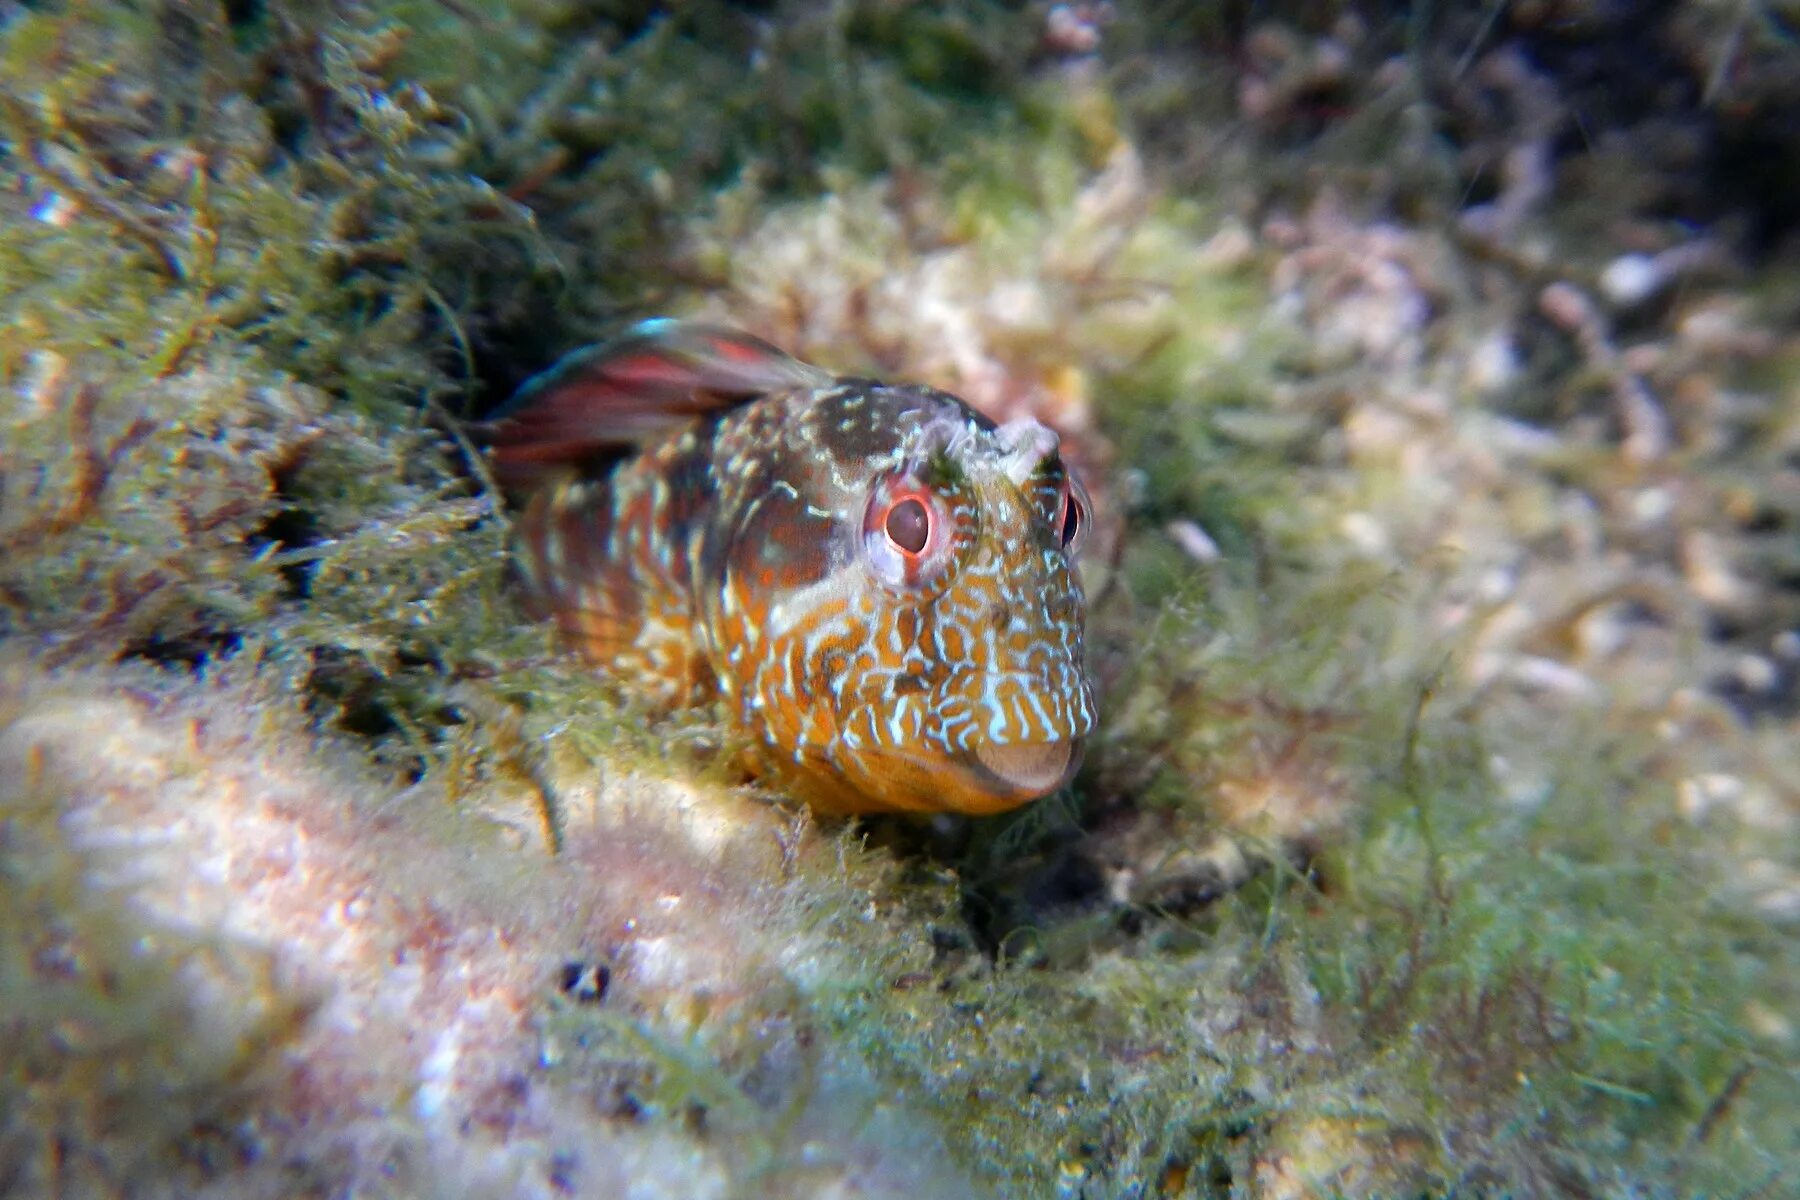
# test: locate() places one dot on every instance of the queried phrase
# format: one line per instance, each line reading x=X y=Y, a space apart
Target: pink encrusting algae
x=878 y=582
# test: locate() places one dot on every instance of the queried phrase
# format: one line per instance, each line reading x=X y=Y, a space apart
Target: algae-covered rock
x=235 y=962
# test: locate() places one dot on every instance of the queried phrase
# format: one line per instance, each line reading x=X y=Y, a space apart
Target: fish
x=878 y=585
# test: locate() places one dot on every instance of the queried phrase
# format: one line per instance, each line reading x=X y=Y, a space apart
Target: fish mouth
x=1034 y=767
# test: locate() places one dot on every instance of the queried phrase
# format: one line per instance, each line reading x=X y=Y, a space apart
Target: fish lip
x=980 y=790
x=1028 y=768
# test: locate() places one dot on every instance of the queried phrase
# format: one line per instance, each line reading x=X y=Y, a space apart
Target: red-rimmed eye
x=1072 y=516
x=907 y=532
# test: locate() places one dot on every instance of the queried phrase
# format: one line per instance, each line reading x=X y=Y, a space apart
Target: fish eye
x=908 y=525
x=1071 y=522
x=1072 y=516
x=908 y=532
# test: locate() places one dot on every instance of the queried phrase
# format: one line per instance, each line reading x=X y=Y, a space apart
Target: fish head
x=945 y=666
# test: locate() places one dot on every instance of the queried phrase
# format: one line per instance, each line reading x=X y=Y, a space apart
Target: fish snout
x=1034 y=768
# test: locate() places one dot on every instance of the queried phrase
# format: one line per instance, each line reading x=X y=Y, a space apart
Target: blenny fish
x=878 y=583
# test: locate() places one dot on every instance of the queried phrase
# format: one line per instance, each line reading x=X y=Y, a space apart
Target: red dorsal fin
x=621 y=394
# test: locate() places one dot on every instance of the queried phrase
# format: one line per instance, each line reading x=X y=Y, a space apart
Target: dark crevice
x=188 y=651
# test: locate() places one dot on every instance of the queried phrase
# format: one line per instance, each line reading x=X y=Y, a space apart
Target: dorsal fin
x=621 y=394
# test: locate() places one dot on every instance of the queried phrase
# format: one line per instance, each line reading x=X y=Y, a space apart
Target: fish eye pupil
x=908 y=525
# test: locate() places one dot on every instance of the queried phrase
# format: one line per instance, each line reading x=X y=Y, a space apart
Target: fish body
x=876 y=582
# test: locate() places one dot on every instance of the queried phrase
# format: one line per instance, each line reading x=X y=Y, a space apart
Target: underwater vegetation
x=1436 y=375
